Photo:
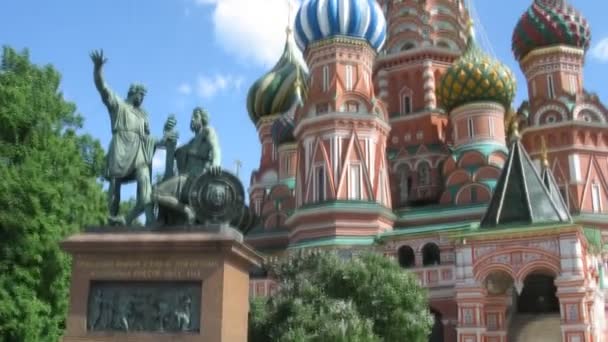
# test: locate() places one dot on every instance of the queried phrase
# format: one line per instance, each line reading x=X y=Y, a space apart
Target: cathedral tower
x=424 y=39
x=342 y=187
x=550 y=42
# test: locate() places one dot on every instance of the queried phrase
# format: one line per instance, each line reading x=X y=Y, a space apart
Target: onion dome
x=282 y=129
x=476 y=77
x=547 y=23
x=275 y=92
x=321 y=19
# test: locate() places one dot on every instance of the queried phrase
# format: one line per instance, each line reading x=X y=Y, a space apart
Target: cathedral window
x=322 y=108
x=471 y=127
x=406 y=101
x=355 y=181
x=352 y=107
x=349 y=77
x=258 y=206
x=319 y=184
x=287 y=164
x=573 y=84
x=406 y=104
x=596 y=198
x=326 y=78
x=424 y=174
x=408 y=46
x=550 y=87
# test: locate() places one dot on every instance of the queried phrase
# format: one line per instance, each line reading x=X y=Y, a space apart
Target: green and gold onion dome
x=548 y=23
x=275 y=92
x=476 y=77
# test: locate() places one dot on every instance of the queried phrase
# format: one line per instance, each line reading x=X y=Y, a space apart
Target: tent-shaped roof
x=522 y=196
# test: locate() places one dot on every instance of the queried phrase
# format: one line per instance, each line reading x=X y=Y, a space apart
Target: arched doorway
x=537 y=317
x=539 y=295
x=437 y=330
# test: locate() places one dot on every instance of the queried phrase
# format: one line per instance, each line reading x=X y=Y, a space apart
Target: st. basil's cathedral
x=397 y=133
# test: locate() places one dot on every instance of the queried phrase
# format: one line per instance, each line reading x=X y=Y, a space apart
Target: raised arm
x=107 y=95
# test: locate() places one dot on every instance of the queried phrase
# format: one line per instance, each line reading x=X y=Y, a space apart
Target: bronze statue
x=200 y=155
x=131 y=149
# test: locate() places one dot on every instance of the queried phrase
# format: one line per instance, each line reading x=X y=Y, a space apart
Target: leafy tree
x=324 y=298
x=48 y=190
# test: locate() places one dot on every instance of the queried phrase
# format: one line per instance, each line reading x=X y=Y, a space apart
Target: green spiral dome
x=275 y=92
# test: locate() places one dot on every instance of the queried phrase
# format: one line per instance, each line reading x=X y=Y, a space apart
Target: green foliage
x=324 y=298
x=48 y=190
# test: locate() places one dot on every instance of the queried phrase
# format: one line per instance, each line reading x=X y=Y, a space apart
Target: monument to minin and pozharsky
x=185 y=275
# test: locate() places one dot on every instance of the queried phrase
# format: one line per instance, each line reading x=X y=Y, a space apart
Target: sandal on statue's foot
x=117 y=221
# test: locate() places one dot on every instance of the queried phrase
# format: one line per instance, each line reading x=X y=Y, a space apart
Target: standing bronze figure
x=131 y=149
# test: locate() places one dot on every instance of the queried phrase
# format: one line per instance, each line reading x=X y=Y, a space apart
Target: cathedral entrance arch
x=538 y=295
x=437 y=330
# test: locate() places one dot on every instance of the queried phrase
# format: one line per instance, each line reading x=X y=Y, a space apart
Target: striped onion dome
x=476 y=77
x=320 y=19
x=275 y=92
x=282 y=129
x=547 y=23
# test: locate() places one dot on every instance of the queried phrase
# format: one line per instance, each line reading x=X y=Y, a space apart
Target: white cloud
x=600 y=50
x=253 y=30
x=184 y=89
x=207 y=87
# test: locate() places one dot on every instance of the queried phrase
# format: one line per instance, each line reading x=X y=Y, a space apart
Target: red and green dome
x=476 y=77
x=547 y=23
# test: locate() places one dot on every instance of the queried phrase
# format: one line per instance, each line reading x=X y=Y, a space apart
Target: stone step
x=535 y=328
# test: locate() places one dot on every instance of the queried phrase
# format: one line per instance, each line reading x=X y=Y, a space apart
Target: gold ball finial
x=544 y=157
x=515 y=130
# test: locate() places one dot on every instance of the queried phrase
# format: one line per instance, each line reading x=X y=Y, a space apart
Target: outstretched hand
x=98 y=59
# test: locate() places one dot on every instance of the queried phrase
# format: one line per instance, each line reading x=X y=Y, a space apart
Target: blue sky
x=208 y=53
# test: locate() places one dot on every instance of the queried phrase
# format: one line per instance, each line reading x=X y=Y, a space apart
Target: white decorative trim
x=400 y=162
x=551 y=107
x=551 y=50
x=589 y=107
x=421 y=160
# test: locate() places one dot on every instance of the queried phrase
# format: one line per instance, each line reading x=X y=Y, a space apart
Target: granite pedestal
x=170 y=285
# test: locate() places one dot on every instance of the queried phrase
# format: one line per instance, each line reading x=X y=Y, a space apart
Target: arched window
x=352 y=107
x=406 y=101
x=408 y=46
x=443 y=44
x=406 y=257
x=424 y=174
x=431 y=255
